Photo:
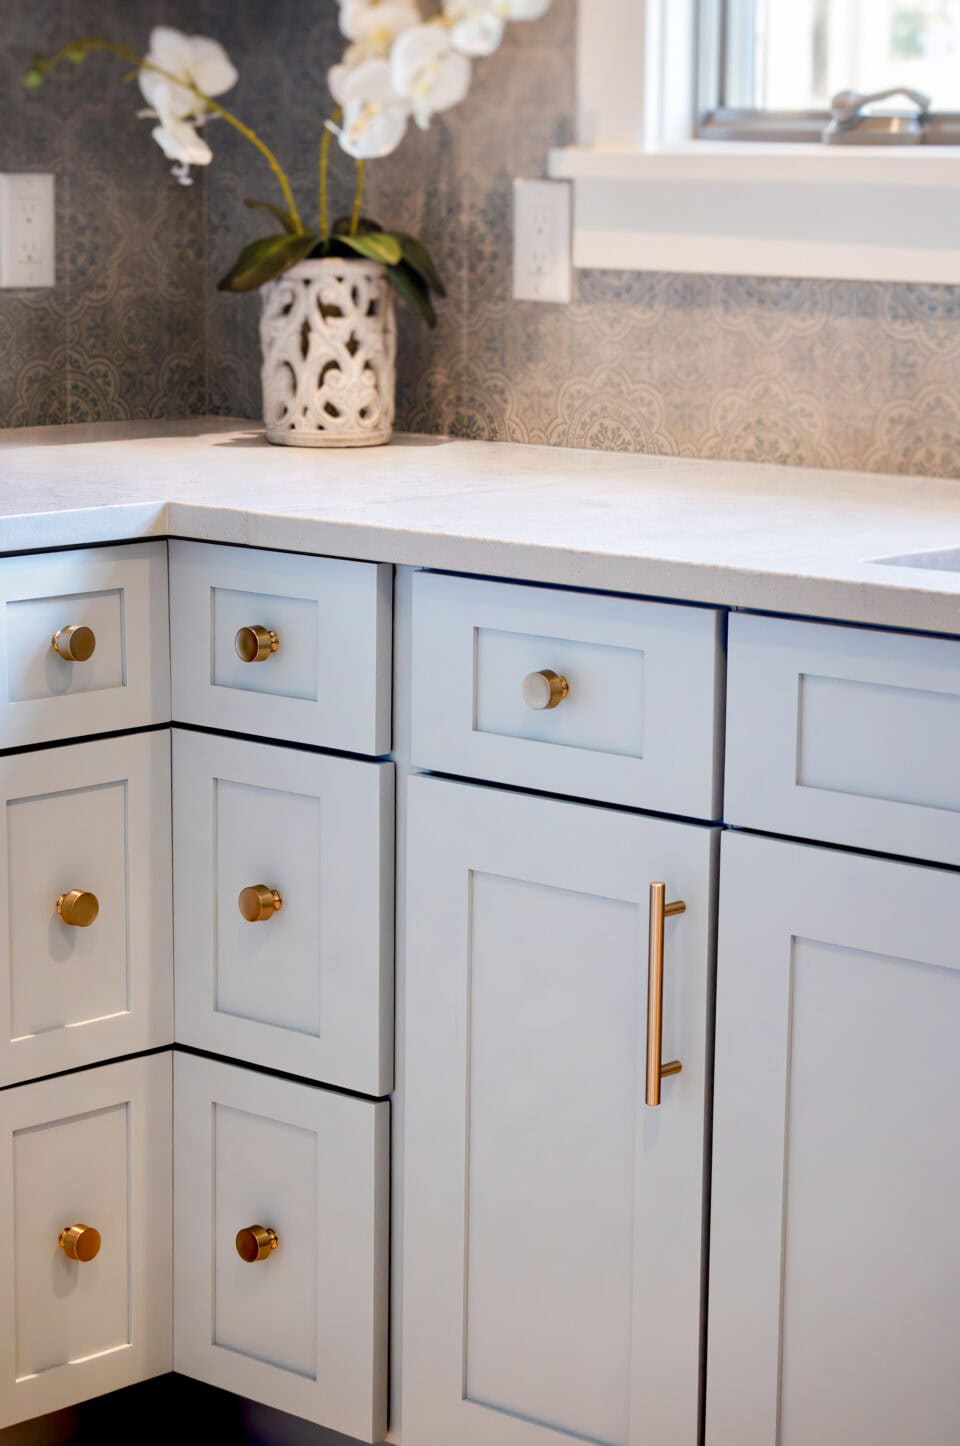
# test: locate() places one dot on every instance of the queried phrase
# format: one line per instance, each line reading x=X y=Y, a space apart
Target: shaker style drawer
x=283 y=645
x=284 y=908
x=844 y=735
x=83 y=643
x=575 y=693
x=282 y=1242
x=553 y=1119
x=86 y=967
x=86 y=1216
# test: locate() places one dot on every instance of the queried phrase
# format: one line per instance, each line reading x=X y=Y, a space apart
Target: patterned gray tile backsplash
x=807 y=372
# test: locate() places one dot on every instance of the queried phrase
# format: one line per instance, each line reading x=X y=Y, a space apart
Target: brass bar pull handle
x=660 y=911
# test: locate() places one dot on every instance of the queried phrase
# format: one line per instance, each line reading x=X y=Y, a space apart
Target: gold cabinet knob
x=258 y=902
x=76 y=643
x=545 y=689
x=256 y=1242
x=78 y=908
x=80 y=1242
x=255 y=644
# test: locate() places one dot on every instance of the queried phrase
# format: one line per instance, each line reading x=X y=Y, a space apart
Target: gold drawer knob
x=80 y=1242
x=78 y=908
x=545 y=689
x=77 y=643
x=258 y=902
x=255 y=644
x=256 y=1242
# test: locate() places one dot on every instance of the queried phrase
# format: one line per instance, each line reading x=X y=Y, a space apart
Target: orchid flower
x=186 y=61
x=377 y=23
x=477 y=26
x=374 y=115
x=428 y=72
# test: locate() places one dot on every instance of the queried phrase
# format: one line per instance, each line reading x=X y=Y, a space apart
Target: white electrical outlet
x=541 y=241
x=26 y=230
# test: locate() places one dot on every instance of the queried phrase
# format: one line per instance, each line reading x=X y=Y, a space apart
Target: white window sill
x=760 y=209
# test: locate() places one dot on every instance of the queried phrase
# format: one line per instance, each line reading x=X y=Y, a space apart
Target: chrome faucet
x=852 y=125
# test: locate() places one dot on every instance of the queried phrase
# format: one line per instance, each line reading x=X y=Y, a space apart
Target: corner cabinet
x=835 y=1274
x=553 y=1220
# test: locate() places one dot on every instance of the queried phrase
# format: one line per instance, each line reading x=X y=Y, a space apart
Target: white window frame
x=650 y=196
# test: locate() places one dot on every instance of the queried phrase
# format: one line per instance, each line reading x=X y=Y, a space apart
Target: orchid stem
x=324 y=166
x=358 y=197
x=78 y=49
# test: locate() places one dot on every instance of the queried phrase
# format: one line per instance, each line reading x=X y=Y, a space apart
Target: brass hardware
x=545 y=689
x=79 y=1242
x=255 y=644
x=78 y=908
x=660 y=911
x=76 y=643
x=258 y=902
x=256 y=1242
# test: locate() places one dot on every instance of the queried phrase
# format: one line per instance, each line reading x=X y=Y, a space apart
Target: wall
x=823 y=373
x=122 y=333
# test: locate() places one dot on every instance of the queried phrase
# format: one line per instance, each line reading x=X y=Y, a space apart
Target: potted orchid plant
x=327 y=328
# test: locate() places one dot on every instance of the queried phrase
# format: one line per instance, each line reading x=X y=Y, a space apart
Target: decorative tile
x=813 y=372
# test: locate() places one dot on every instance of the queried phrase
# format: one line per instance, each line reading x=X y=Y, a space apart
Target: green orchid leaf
x=417 y=256
x=277 y=212
x=264 y=259
x=366 y=223
x=414 y=291
x=376 y=245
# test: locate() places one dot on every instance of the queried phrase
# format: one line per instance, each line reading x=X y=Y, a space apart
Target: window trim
x=650 y=195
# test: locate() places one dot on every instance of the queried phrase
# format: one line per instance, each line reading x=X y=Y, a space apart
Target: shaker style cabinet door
x=86 y=958
x=86 y=1220
x=283 y=863
x=552 y=1218
x=834 y=1268
x=282 y=645
x=282 y=1202
x=83 y=642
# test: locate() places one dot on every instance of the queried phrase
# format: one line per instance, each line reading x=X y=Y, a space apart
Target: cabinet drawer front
x=92 y=1149
x=308 y=987
x=845 y=735
x=834 y=1272
x=637 y=724
x=304 y=1328
x=92 y=819
x=326 y=682
x=552 y=1232
x=118 y=595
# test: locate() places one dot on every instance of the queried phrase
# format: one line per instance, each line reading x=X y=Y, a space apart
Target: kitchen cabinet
x=86 y=1216
x=553 y=1219
x=282 y=1201
x=834 y=1274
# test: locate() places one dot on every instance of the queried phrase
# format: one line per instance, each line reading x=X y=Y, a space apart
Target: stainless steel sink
x=945 y=559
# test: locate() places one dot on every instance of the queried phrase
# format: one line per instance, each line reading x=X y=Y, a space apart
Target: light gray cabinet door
x=552 y=1220
x=834 y=1312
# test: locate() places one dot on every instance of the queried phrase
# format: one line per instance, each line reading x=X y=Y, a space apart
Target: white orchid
x=428 y=72
x=477 y=26
x=372 y=27
x=374 y=115
x=377 y=23
x=185 y=61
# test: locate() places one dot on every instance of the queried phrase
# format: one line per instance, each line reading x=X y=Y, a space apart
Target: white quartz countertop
x=780 y=539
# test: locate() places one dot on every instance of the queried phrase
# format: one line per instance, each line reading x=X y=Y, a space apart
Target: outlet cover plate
x=27 y=236
x=541 y=241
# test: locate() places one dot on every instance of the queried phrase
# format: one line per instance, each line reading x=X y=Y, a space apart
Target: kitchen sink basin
x=946 y=559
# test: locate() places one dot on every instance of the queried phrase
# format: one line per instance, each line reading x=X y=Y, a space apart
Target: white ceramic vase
x=329 y=342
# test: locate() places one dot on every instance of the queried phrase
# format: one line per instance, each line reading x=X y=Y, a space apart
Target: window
x=769 y=68
x=699 y=139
